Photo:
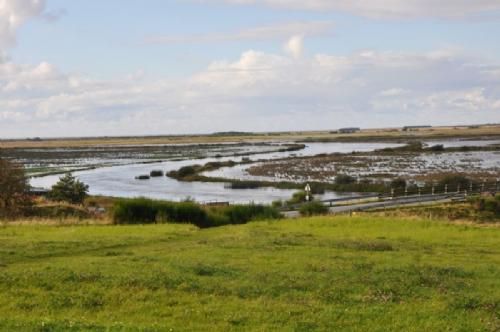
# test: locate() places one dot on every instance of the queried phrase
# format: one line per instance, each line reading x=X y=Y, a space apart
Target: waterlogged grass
x=324 y=274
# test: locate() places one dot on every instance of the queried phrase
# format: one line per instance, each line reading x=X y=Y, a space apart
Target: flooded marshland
x=119 y=180
x=114 y=173
x=375 y=166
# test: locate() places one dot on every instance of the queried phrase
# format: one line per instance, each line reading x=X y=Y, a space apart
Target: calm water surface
x=119 y=181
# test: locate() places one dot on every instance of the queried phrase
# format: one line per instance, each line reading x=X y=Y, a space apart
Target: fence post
x=445 y=188
x=458 y=188
x=433 y=190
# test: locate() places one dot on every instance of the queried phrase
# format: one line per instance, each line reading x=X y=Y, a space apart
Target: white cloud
x=271 y=32
x=258 y=91
x=455 y=9
x=295 y=46
x=13 y=14
x=393 y=92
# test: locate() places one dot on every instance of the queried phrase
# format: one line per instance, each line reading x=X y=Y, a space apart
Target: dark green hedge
x=147 y=211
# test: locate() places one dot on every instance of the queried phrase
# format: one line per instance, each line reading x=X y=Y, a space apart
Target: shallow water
x=119 y=181
x=408 y=166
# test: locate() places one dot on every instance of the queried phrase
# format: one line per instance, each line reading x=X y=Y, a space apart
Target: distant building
x=349 y=130
x=414 y=128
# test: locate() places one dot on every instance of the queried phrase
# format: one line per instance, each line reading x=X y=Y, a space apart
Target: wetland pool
x=119 y=180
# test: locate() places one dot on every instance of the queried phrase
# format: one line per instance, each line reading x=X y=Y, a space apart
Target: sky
x=162 y=67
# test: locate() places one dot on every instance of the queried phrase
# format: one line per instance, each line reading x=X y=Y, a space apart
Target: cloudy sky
x=125 y=67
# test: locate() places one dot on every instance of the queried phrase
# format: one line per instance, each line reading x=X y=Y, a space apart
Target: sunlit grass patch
x=323 y=273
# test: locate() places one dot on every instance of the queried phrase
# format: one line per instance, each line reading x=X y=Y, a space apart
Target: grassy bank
x=353 y=274
x=477 y=209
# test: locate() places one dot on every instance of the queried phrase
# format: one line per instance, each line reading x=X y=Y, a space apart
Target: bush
x=277 y=204
x=241 y=214
x=490 y=205
x=186 y=171
x=313 y=208
x=147 y=211
x=156 y=173
x=142 y=177
x=134 y=211
x=69 y=189
x=188 y=213
x=484 y=208
x=297 y=198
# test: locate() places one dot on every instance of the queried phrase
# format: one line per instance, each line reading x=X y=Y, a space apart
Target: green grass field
x=318 y=274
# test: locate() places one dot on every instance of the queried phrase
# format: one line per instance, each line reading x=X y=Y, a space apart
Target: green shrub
x=69 y=189
x=313 y=208
x=240 y=214
x=277 y=204
x=134 y=211
x=485 y=208
x=186 y=171
x=156 y=173
x=190 y=213
x=297 y=198
x=147 y=211
x=217 y=218
x=488 y=204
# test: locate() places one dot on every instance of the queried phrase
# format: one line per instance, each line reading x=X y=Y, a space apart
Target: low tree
x=14 y=190
x=69 y=189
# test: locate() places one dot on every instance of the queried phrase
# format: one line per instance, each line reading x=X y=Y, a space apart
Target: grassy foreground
x=325 y=274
